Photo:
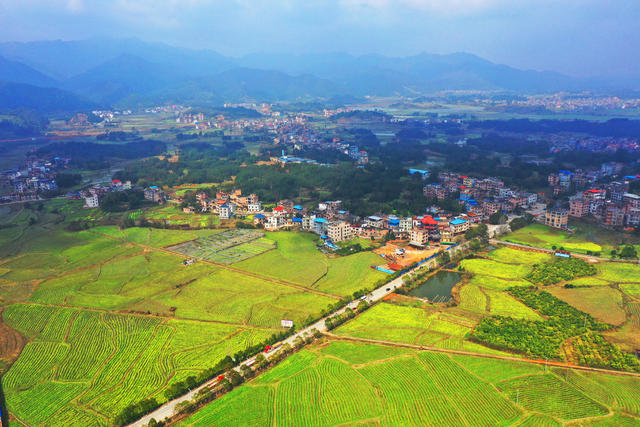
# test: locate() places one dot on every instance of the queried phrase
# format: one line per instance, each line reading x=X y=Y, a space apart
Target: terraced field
x=351 y=383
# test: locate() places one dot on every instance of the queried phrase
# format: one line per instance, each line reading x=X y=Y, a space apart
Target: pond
x=438 y=287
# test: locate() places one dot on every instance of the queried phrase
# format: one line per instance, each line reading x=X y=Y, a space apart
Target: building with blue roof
x=459 y=225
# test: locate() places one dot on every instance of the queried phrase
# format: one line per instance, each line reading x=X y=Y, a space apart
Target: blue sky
x=578 y=37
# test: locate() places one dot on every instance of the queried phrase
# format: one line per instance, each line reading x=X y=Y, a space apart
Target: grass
x=619 y=272
x=602 y=302
x=380 y=385
x=538 y=235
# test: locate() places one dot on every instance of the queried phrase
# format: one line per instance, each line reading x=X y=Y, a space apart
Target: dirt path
x=550 y=363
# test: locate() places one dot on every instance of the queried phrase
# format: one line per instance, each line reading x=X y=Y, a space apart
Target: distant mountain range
x=130 y=73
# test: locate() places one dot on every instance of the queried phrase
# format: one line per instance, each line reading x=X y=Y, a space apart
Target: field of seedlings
x=228 y=247
x=352 y=383
x=95 y=363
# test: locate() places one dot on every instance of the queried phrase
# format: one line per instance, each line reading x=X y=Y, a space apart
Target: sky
x=576 y=37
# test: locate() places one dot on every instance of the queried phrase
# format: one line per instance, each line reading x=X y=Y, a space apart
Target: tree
x=498 y=218
x=629 y=252
x=481 y=231
x=235 y=378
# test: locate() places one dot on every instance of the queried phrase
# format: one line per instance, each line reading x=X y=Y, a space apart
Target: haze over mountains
x=130 y=72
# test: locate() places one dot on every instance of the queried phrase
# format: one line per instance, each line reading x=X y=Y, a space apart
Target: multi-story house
x=338 y=231
x=556 y=218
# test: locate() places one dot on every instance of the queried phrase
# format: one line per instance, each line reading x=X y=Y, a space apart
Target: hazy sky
x=580 y=37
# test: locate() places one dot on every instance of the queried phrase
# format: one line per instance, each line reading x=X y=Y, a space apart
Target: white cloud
x=441 y=6
x=75 y=6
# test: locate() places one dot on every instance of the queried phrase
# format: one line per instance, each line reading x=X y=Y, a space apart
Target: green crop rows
x=353 y=383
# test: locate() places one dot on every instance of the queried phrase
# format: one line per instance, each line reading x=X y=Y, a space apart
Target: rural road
x=168 y=409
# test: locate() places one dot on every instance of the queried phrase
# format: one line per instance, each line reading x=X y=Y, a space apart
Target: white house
x=91 y=201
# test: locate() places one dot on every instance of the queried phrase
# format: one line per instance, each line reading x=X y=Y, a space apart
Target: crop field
x=497 y=269
x=514 y=256
x=297 y=260
x=541 y=236
x=173 y=216
x=496 y=283
x=152 y=236
x=505 y=305
x=228 y=247
x=95 y=363
x=391 y=322
x=352 y=383
x=619 y=272
x=94 y=321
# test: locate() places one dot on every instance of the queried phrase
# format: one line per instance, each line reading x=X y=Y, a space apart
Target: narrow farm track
x=229 y=268
x=552 y=364
x=551 y=251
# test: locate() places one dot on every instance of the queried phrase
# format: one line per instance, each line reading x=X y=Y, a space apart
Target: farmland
x=538 y=235
x=228 y=247
x=338 y=382
x=95 y=320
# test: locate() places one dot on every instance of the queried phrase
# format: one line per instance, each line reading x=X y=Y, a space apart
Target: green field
x=351 y=383
x=411 y=325
x=110 y=316
x=96 y=363
x=298 y=260
x=541 y=236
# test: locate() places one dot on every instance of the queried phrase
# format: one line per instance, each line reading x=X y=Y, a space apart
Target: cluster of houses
x=227 y=204
x=335 y=224
x=93 y=194
x=563 y=181
x=35 y=176
x=481 y=197
x=611 y=204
